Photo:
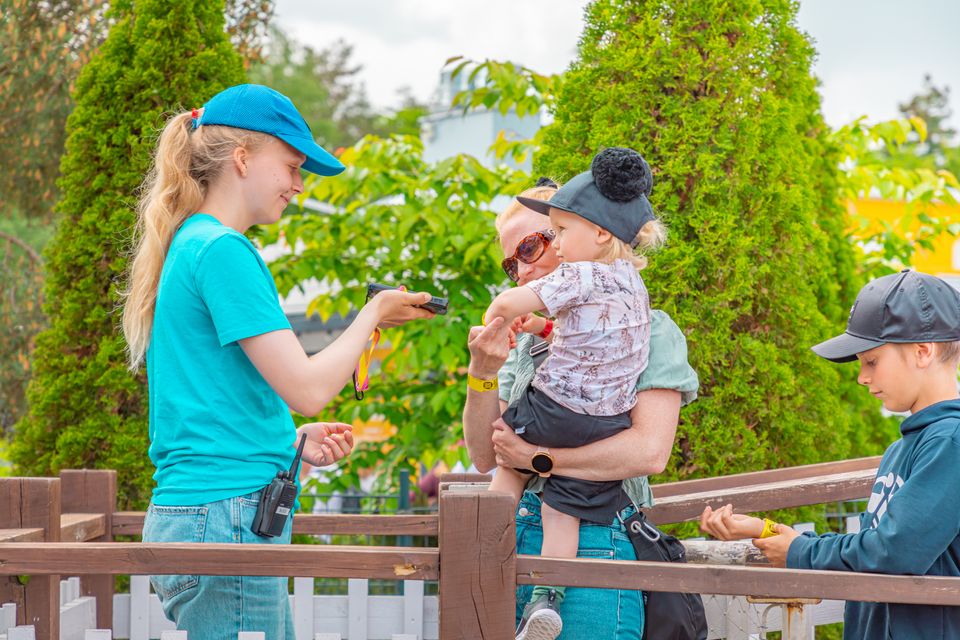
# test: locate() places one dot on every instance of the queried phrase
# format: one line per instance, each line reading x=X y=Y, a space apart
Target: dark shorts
x=540 y=420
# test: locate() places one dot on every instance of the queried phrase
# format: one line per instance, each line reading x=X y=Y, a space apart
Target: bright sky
x=873 y=54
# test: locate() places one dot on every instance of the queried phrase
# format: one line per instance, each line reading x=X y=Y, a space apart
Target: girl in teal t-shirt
x=224 y=367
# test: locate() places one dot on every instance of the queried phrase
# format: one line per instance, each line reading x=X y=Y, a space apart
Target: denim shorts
x=611 y=614
x=219 y=607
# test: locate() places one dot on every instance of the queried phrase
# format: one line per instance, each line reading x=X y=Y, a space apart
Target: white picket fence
x=360 y=616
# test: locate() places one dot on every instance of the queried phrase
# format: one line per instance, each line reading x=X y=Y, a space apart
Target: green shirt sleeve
x=507 y=374
x=668 y=367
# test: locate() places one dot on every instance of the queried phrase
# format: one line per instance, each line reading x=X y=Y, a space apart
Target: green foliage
x=428 y=226
x=86 y=409
x=43 y=47
x=719 y=97
x=323 y=85
x=21 y=316
x=872 y=167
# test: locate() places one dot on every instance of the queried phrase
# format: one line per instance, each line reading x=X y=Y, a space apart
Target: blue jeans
x=610 y=614
x=219 y=607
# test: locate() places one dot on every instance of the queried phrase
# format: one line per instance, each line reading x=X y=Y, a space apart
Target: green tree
x=719 y=97
x=21 y=294
x=871 y=167
x=85 y=409
x=931 y=149
x=43 y=47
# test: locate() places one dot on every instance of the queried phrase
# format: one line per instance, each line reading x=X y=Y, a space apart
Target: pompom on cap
x=621 y=174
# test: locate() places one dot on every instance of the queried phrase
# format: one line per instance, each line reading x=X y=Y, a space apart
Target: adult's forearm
x=479 y=413
x=641 y=450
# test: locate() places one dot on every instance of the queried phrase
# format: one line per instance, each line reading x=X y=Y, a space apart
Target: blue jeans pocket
x=174 y=524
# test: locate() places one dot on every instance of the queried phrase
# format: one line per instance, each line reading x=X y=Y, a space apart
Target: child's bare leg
x=561 y=533
x=510 y=481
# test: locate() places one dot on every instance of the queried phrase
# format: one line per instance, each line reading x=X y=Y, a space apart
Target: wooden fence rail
x=65 y=526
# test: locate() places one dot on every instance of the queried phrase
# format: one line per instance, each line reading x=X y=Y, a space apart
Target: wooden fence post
x=478 y=564
x=93 y=491
x=33 y=503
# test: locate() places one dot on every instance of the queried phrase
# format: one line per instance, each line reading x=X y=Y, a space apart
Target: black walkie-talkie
x=276 y=501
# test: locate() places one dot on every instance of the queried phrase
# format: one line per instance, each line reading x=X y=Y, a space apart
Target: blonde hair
x=949 y=352
x=538 y=193
x=651 y=237
x=186 y=162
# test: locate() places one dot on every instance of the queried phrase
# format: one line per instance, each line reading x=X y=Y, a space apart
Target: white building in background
x=445 y=132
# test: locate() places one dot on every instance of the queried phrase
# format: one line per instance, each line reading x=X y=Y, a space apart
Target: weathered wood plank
x=737 y=552
x=785 y=494
x=130 y=523
x=787 y=583
x=93 y=491
x=21 y=535
x=33 y=503
x=465 y=477
x=118 y=558
x=477 y=566
x=668 y=489
x=81 y=527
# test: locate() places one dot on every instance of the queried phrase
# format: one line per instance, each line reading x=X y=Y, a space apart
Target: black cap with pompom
x=612 y=195
x=621 y=174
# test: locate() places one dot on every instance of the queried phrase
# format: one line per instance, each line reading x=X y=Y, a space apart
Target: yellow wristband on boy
x=479 y=384
x=769 y=528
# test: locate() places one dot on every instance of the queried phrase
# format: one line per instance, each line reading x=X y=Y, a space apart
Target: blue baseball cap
x=258 y=108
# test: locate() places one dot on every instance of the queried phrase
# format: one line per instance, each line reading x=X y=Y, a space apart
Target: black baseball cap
x=613 y=194
x=903 y=307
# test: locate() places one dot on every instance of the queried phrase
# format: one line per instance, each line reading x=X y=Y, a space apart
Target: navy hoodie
x=911 y=526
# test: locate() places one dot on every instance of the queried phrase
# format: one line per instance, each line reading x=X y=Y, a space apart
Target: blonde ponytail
x=186 y=162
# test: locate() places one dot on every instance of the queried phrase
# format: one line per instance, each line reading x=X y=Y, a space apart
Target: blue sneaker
x=541 y=619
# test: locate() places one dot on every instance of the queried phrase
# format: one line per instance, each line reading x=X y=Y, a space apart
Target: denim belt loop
x=620 y=513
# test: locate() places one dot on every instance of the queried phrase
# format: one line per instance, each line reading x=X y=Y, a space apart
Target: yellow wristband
x=769 y=528
x=479 y=384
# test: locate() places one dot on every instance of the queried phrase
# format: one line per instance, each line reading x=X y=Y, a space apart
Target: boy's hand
x=776 y=547
x=724 y=524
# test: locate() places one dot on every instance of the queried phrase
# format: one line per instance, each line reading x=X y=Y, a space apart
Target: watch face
x=488 y=385
x=541 y=462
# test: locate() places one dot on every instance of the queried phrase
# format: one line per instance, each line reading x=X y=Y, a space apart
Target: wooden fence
x=65 y=526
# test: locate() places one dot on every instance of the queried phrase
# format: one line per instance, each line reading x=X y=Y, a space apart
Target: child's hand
x=724 y=524
x=532 y=323
x=776 y=547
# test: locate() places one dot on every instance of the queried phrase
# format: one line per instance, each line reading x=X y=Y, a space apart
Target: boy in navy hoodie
x=905 y=331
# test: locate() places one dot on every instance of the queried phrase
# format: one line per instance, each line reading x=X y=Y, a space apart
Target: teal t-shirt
x=217 y=429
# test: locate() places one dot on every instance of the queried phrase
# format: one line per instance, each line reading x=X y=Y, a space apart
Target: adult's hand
x=397 y=307
x=489 y=347
x=326 y=442
x=511 y=450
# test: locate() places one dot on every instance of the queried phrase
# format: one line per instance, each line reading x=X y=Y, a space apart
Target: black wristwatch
x=542 y=462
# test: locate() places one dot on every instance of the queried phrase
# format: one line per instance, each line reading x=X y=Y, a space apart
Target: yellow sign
x=944 y=259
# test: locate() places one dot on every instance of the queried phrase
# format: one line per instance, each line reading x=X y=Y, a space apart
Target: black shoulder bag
x=668 y=616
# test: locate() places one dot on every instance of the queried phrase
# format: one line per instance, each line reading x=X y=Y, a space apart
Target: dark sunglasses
x=528 y=251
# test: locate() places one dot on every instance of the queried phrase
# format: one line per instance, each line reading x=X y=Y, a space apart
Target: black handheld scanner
x=276 y=501
x=435 y=305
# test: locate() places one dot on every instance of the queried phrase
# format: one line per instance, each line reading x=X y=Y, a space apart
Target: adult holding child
x=639 y=449
x=224 y=367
